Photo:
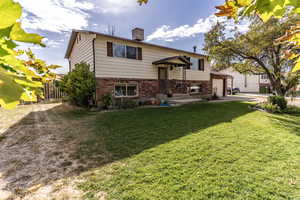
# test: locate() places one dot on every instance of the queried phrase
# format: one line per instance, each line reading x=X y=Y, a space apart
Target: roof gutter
x=74 y=33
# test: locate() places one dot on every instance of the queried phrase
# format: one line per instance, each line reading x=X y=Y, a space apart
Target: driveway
x=261 y=98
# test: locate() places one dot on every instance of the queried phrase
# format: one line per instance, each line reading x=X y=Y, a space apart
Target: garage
x=219 y=83
x=218 y=87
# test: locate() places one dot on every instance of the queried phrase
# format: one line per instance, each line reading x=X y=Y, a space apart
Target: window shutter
x=140 y=53
x=110 y=49
x=201 y=64
x=189 y=59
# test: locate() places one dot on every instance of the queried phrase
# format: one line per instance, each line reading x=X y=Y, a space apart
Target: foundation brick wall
x=149 y=88
x=146 y=88
x=179 y=86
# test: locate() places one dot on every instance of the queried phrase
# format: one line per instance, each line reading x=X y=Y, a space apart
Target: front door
x=163 y=80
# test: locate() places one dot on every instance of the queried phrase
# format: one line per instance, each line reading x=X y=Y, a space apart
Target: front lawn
x=200 y=151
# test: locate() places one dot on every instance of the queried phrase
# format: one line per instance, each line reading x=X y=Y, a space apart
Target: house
x=248 y=83
x=132 y=68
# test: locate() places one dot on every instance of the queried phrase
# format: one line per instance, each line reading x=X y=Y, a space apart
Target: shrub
x=263 y=90
x=79 y=85
x=272 y=108
x=280 y=101
x=107 y=100
x=125 y=103
x=292 y=110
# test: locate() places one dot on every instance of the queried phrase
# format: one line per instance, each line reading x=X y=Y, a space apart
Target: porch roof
x=214 y=73
x=176 y=61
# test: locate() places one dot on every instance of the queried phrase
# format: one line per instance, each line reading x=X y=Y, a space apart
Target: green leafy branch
x=266 y=9
x=19 y=79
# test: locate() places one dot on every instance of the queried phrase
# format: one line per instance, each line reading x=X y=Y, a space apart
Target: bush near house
x=107 y=100
x=127 y=104
x=79 y=85
x=280 y=101
x=277 y=104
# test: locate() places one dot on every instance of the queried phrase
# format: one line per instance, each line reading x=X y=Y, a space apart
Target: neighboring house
x=135 y=69
x=248 y=83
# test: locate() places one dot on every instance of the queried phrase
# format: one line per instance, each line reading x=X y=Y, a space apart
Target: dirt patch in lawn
x=40 y=151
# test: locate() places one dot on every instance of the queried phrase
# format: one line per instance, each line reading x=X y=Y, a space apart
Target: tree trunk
x=279 y=89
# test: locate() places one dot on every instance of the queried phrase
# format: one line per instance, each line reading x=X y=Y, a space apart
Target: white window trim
x=195 y=87
x=136 y=51
x=126 y=84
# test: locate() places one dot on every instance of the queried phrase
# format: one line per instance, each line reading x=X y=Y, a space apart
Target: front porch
x=170 y=84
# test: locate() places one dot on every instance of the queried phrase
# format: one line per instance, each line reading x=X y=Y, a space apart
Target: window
x=131 y=52
x=124 y=51
x=194 y=65
x=197 y=64
x=120 y=90
x=126 y=90
x=264 y=76
x=201 y=64
x=195 y=89
x=131 y=90
x=119 y=50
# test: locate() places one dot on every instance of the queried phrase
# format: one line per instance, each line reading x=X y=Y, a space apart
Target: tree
x=255 y=51
x=19 y=79
x=79 y=84
x=266 y=9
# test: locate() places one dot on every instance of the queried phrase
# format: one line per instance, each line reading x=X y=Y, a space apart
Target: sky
x=173 y=23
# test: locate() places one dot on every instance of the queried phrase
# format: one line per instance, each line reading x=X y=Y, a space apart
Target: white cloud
x=166 y=33
x=116 y=6
x=53 y=43
x=55 y=15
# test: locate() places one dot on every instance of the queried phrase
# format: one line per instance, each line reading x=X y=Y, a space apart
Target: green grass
x=201 y=151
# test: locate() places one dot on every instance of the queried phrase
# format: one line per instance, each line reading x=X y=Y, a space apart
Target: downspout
x=69 y=65
x=94 y=66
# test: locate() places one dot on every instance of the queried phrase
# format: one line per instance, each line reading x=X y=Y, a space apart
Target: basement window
x=126 y=90
x=195 y=89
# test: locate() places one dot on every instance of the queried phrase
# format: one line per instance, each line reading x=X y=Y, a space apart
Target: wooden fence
x=51 y=91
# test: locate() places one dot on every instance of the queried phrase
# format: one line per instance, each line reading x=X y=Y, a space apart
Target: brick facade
x=179 y=86
x=148 y=88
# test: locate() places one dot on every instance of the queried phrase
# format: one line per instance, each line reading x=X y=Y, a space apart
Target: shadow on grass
x=287 y=121
x=36 y=147
x=130 y=132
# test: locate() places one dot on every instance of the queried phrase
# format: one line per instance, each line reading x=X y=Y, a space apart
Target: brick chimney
x=138 y=34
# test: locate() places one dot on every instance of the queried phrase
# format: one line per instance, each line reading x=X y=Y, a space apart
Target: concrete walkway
x=236 y=98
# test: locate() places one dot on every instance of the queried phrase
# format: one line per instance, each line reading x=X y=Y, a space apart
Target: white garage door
x=218 y=87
